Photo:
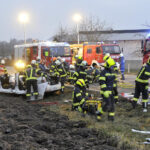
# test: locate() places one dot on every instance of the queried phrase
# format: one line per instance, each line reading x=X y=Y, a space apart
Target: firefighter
x=31 y=73
x=4 y=74
x=141 y=86
x=107 y=58
x=79 y=95
x=79 y=60
x=95 y=72
x=106 y=81
x=54 y=74
x=81 y=73
x=62 y=74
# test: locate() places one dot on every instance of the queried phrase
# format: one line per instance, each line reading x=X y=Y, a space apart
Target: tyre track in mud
x=27 y=126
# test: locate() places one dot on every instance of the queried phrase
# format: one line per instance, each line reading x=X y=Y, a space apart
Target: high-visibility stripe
x=79 y=94
x=144 y=100
x=82 y=101
x=101 y=110
x=103 y=86
x=64 y=75
x=76 y=104
x=111 y=114
x=135 y=99
x=141 y=72
x=115 y=97
x=147 y=73
x=102 y=78
x=36 y=93
x=142 y=81
x=28 y=94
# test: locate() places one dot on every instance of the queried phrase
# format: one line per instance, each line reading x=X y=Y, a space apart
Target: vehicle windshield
x=147 y=45
x=60 y=51
x=112 y=49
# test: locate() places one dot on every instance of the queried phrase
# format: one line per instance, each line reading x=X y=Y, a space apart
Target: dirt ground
x=51 y=125
x=32 y=126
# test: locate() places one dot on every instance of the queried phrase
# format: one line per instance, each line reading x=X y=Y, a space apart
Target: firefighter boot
x=36 y=97
x=134 y=103
x=144 y=105
x=98 y=118
x=110 y=118
x=28 y=98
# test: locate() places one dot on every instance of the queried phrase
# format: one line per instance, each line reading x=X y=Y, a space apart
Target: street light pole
x=78 y=36
x=77 y=18
x=24 y=18
x=24 y=29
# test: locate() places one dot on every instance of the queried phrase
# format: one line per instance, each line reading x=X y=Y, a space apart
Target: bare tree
x=88 y=24
x=91 y=24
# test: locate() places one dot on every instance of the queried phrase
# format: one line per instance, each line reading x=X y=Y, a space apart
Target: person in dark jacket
x=79 y=95
x=81 y=73
x=31 y=73
x=106 y=81
x=62 y=74
x=141 y=86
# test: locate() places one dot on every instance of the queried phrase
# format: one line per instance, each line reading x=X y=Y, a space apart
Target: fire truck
x=43 y=50
x=145 y=46
x=96 y=51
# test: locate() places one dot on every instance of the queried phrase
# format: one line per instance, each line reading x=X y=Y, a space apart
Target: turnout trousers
x=141 y=88
x=29 y=84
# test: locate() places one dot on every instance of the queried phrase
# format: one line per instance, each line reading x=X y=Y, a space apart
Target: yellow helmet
x=110 y=62
x=107 y=55
x=80 y=82
x=80 y=58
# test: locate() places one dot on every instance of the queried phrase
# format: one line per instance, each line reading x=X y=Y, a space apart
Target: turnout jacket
x=144 y=74
x=107 y=79
x=79 y=96
x=61 y=70
x=32 y=72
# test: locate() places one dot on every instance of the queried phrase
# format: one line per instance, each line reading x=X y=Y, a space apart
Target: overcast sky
x=46 y=15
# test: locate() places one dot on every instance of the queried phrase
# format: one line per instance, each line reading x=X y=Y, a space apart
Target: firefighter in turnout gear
x=141 y=86
x=62 y=74
x=31 y=73
x=4 y=77
x=109 y=60
x=81 y=73
x=53 y=70
x=106 y=81
x=79 y=95
x=78 y=63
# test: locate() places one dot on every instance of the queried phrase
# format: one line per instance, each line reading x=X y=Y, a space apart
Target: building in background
x=129 y=41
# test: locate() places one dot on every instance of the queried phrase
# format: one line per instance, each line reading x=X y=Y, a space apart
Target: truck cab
x=97 y=51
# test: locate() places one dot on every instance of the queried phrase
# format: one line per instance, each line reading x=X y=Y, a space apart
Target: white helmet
x=58 y=62
x=33 y=62
x=121 y=55
x=84 y=63
x=63 y=59
x=59 y=58
x=38 y=58
x=2 y=61
x=71 y=67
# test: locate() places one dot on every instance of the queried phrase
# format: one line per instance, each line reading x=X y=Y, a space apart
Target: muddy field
x=32 y=126
x=51 y=125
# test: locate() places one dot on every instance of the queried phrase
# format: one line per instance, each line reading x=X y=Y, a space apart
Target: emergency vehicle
x=96 y=51
x=43 y=50
x=145 y=46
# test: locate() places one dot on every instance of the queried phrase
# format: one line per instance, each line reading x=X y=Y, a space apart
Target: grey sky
x=46 y=15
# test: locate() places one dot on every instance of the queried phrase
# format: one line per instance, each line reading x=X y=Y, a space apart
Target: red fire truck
x=97 y=51
x=145 y=46
x=43 y=50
